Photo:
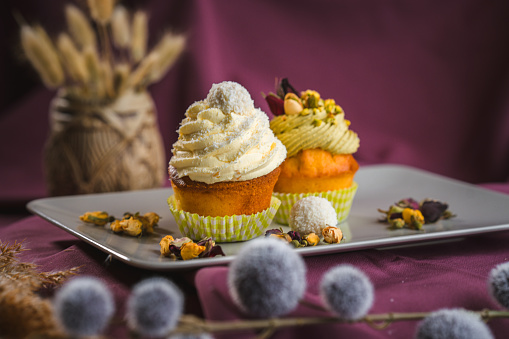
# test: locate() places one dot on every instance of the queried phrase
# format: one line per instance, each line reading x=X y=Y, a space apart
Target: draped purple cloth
x=424 y=84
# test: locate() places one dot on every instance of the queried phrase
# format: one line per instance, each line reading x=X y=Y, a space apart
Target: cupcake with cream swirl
x=226 y=159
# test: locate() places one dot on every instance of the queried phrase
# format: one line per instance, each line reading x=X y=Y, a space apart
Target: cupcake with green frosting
x=320 y=150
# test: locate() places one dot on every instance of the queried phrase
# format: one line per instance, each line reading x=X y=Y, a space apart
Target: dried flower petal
x=153 y=218
x=282 y=236
x=273 y=231
x=212 y=252
x=432 y=210
x=165 y=245
x=175 y=252
x=332 y=235
x=116 y=226
x=191 y=250
x=409 y=213
x=276 y=104
x=284 y=88
x=312 y=239
x=97 y=218
x=295 y=235
x=408 y=203
x=132 y=226
x=181 y=241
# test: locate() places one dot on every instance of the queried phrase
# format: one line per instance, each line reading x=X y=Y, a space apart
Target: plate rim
x=409 y=239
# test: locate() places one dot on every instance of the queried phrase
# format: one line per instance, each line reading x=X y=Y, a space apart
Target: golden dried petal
x=132 y=227
x=312 y=239
x=332 y=235
x=165 y=245
x=190 y=250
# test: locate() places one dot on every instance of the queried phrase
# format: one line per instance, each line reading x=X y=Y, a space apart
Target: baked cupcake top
x=308 y=122
x=225 y=138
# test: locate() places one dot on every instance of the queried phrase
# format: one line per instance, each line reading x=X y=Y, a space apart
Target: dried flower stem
x=120 y=76
x=107 y=78
x=105 y=40
x=139 y=77
x=192 y=324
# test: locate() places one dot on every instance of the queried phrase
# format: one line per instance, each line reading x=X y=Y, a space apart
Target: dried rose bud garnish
x=98 y=218
x=332 y=235
x=276 y=100
x=312 y=239
x=409 y=213
x=132 y=224
x=185 y=249
x=287 y=101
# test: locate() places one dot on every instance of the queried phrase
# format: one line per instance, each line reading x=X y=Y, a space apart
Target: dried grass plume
x=101 y=56
x=23 y=311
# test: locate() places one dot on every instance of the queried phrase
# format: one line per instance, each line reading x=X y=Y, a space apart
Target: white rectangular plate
x=478 y=211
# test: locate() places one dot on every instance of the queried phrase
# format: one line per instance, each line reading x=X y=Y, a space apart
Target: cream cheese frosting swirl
x=225 y=138
x=318 y=129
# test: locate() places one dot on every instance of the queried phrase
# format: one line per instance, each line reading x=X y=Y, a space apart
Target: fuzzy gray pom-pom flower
x=83 y=306
x=347 y=291
x=154 y=307
x=498 y=284
x=267 y=278
x=453 y=324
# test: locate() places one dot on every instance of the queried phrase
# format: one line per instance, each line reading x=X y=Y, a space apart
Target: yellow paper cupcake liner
x=224 y=229
x=341 y=201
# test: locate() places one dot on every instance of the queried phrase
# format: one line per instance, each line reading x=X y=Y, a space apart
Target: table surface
x=406 y=278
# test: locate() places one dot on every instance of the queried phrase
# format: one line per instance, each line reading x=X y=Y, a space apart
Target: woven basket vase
x=111 y=147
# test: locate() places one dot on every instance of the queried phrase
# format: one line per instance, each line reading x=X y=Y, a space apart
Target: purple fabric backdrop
x=425 y=83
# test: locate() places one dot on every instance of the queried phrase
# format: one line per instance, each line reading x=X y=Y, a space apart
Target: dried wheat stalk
x=120 y=27
x=169 y=48
x=72 y=59
x=101 y=10
x=41 y=53
x=89 y=71
x=139 y=36
x=80 y=28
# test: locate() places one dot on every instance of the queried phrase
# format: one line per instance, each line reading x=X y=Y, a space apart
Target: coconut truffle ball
x=230 y=97
x=311 y=215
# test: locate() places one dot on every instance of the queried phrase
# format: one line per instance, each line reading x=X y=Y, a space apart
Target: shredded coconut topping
x=230 y=97
x=311 y=215
x=224 y=138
